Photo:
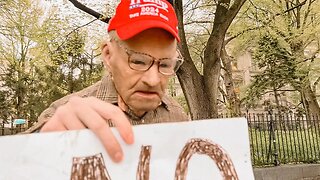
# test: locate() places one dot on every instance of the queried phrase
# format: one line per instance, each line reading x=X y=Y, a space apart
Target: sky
x=67 y=10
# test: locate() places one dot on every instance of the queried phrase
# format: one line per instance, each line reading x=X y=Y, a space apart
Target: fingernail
x=118 y=157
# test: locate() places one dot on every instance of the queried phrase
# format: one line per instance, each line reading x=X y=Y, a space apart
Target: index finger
x=93 y=119
x=115 y=114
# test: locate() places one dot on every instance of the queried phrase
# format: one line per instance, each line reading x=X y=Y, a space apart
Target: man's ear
x=106 y=55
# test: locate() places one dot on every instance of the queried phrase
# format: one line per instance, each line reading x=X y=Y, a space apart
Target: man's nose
x=152 y=76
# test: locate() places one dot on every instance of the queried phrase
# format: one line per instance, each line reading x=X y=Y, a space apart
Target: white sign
x=197 y=150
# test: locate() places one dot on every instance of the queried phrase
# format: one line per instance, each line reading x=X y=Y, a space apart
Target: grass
x=293 y=145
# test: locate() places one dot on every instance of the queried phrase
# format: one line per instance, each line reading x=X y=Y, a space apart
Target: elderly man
x=140 y=56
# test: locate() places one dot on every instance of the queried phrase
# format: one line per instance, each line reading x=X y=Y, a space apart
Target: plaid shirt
x=168 y=111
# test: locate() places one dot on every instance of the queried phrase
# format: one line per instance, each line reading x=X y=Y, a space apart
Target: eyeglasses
x=143 y=62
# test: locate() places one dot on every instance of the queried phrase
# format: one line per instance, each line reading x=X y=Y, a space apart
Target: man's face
x=142 y=91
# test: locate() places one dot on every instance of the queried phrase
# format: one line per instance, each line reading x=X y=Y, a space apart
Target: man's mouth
x=147 y=94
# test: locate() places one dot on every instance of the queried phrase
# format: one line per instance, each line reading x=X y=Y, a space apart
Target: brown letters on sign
x=92 y=167
x=89 y=168
x=144 y=161
x=214 y=151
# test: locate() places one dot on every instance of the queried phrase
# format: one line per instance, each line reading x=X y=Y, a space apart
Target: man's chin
x=145 y=107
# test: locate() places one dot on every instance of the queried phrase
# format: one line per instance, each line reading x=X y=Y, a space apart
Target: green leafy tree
x=20 y=24
x=277 y=70
x=40 y=60
x=203 y=97
x=295 y=24
x=73 y=68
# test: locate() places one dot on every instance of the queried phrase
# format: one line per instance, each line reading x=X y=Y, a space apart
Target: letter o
x=214 y=151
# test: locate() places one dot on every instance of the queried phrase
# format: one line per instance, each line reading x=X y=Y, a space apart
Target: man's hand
x=92 y=113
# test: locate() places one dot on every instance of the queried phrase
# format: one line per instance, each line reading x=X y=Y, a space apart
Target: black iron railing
x=283 y=138
x=10 y=129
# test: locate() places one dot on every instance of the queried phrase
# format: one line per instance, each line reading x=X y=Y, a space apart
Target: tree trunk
x=192 y=84
x=231 y=95
x=308 y=96
x=276 y=98
x=211 y=71
x=202 y=98
x=310 y=100
x=191 y=81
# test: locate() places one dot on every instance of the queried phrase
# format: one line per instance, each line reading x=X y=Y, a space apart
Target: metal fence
x=283 y=138
x=11 y=130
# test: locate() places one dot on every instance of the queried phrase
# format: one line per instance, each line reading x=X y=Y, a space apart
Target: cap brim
x=129 y=30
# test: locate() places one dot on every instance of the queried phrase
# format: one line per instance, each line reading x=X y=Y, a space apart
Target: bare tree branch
x=80 y=27
x=293 y=8
x=266 y=23
x=92 y=12
x=316 y=82
x=198 y=22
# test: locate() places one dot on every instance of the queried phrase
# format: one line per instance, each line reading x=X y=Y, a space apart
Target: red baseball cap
x=135 y=16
